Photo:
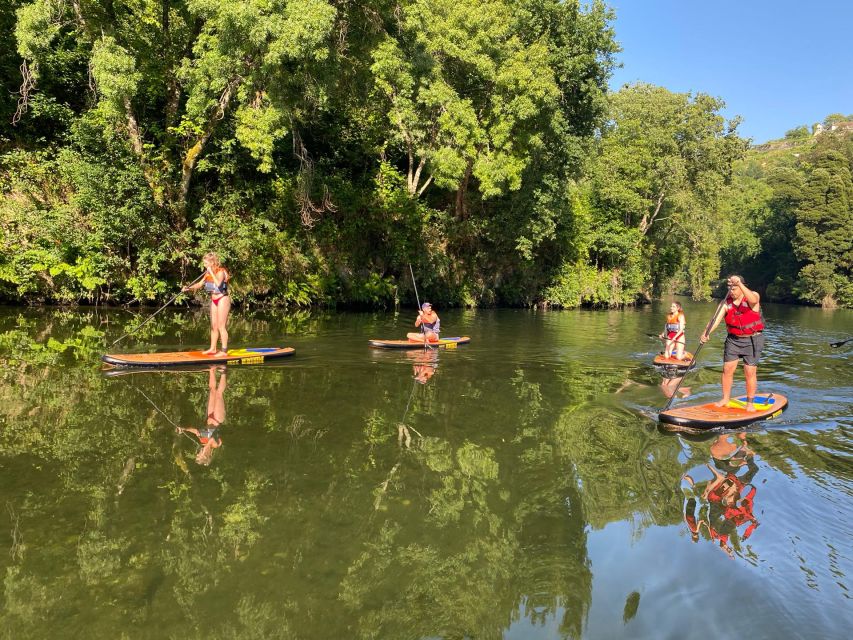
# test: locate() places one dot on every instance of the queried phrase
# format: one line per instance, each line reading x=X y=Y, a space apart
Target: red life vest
x=741 y=320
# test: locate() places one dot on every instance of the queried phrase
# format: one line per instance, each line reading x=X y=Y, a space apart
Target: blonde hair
x=210 y=255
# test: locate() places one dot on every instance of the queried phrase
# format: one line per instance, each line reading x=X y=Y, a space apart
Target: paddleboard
x=663 y=361
x=257 y=355
x=709 y=416
x=444 y=343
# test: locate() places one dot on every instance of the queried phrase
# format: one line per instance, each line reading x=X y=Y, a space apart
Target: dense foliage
x=322 y=146
x=793 y=206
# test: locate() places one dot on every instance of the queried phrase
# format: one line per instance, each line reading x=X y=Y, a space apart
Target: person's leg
x=726 y=381
x=223 y=311
x=679 y=347
x=750 y=372
x=214 y=330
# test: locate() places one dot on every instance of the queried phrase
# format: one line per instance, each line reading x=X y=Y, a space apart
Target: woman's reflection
x=209 y=437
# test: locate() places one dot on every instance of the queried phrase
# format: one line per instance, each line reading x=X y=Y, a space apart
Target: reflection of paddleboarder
x=424 y=365
x=669 y=385
x=209 y=437
x=725 y=501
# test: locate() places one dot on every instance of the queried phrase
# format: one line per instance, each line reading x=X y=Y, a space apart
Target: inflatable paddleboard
x=663 y=361
x=257 y=355
x=445 y=343
x=709 y=416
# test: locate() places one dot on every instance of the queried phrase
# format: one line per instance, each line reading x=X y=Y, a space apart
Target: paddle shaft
x=418 y=300
x=695 y=353
x=149 y=318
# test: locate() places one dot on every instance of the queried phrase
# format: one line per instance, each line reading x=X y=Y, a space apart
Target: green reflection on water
x=386 y=495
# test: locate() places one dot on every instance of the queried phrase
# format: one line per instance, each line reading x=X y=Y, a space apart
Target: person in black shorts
x=745 y=339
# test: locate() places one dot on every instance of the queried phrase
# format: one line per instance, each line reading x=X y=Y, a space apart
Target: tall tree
x=665 y=157
x=167 y=73
x=824 y=239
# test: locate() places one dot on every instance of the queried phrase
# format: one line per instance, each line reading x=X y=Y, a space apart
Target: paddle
x=695 y=353
x=838 y=344
x=148 y=319
x=418 y=300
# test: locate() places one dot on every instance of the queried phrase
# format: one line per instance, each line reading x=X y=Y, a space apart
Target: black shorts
x=746 y=347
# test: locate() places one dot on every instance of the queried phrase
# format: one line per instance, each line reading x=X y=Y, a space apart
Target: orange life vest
x=672 y=323
x=741 y=320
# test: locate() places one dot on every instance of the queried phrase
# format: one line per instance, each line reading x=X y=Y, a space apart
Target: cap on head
x=426 y=305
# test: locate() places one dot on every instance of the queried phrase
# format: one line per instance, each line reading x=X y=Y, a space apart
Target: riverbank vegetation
x=321 y=147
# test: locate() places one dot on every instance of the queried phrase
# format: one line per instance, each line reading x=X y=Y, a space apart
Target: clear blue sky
x=778 y=64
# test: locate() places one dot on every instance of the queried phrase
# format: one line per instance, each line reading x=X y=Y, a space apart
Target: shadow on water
x=514 y=487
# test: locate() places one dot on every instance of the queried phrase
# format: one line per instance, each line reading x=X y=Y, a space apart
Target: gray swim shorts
x=746 y=347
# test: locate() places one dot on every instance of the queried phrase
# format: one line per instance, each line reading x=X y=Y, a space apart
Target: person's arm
x=419 y=319
x=752 y=297
x=194 y=287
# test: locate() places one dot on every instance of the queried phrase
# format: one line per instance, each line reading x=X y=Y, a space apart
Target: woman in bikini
x=215 y=282
x=673 y=333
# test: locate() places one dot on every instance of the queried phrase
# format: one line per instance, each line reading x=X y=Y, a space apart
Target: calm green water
x=518 y=488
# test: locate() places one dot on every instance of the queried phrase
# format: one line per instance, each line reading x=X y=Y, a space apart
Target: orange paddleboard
x=702 y=417
x=662 y=361
x=446 y=343
x=257 y=355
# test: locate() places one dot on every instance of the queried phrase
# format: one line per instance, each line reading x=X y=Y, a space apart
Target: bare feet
x=209 y=352
x=750 y=408
x=722 y=403
x=221 y=353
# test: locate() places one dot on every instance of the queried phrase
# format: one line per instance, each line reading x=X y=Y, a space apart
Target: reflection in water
x=209 y=437
x=521 y=498
x=723 y=502
x=424 y=363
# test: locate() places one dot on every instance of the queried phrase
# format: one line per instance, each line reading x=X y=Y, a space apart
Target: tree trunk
x=461 y=209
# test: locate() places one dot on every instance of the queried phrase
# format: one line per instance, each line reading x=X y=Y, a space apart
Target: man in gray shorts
x=745 y=338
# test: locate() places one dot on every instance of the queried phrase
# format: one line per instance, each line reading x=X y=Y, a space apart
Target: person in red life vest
x=745 y=338
x=673 y=332
x=209 y=438
x=215 y=282
x=429 y=323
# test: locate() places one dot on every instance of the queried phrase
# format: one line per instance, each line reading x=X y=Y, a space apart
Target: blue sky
x=777 y=64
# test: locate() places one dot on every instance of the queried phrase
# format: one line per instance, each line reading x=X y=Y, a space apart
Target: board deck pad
x=708 y=416
x=662 y=361
x=444 y=343
x=256 y=355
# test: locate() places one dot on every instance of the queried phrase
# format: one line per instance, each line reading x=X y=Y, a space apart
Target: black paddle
x=418 y=300
x=148 y=319
x=695 y=353
x=838 y=344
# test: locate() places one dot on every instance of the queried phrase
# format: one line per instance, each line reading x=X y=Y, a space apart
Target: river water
x=515 y=487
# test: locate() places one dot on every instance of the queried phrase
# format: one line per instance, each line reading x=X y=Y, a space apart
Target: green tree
x=665 y=157
x=824 y=231
x=166 y=73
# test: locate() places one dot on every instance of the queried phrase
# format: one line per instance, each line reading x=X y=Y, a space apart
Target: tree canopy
x=321 y=147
